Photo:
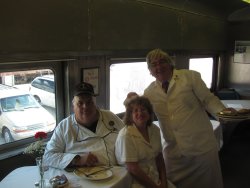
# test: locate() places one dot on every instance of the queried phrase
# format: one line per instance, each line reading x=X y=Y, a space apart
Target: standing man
x=180 y=100
x=85 y=138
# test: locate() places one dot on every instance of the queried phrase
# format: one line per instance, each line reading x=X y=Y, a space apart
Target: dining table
x=237 y=104
x=27 y=176
x=218 y=132
x=230 y=122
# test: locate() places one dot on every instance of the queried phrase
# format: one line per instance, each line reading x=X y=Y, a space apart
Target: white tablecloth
x=237 y=104
x=218 y=132
x=25 y=177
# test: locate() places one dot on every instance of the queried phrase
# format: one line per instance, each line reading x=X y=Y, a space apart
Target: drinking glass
x=39 y=163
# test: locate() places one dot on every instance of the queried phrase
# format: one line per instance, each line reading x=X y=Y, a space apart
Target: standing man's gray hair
x=158 y=53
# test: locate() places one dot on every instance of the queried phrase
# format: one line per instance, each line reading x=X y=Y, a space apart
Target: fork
x=92 y=173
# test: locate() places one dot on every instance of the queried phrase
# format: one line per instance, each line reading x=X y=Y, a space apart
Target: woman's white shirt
x=132 y=147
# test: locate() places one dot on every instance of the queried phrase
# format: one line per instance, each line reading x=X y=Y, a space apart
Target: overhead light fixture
x=247 y=1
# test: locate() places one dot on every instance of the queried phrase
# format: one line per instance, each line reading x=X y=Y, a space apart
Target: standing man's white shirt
x=191 y=145
x=181 y=112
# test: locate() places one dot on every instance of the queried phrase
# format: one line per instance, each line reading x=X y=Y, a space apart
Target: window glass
x=205 y=67
x=125 y=78
x=24 y=109
x=37 y=83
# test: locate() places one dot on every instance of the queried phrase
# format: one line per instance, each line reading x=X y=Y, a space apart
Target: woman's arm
x=134 y=169
x=162 y=170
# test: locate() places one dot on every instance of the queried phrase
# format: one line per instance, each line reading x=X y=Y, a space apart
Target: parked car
x=21 y=116
x=43 y=89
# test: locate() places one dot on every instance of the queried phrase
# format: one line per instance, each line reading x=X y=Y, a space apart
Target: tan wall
x=81 y=26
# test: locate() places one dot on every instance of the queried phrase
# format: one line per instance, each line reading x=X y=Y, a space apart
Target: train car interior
x=105 y=42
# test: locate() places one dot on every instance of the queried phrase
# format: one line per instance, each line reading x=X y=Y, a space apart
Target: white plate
x=63 y=185
x=104 y=174
x=233 y=118
x=236 y=116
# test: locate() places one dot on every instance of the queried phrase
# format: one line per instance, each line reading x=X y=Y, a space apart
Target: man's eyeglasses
x=153 y=64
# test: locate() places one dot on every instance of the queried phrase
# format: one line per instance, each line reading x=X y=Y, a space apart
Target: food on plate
x=228 y=112
x=244 y=111
x=94 y=173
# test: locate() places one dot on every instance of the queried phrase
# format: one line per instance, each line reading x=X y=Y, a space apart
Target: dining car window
x=205 y=67
x=124 y=78
x=25 y=110
x=133 y=75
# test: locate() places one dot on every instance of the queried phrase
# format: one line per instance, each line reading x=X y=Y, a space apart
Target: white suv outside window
x=43 y=89
x=21 y=116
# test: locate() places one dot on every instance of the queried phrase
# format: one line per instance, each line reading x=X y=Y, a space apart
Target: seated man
x=85 y=138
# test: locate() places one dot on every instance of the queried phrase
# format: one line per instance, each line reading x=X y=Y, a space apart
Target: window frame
x=14 y=148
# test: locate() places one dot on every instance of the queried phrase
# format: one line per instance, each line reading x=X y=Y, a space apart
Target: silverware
x=36 y=184
x=92 y=173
